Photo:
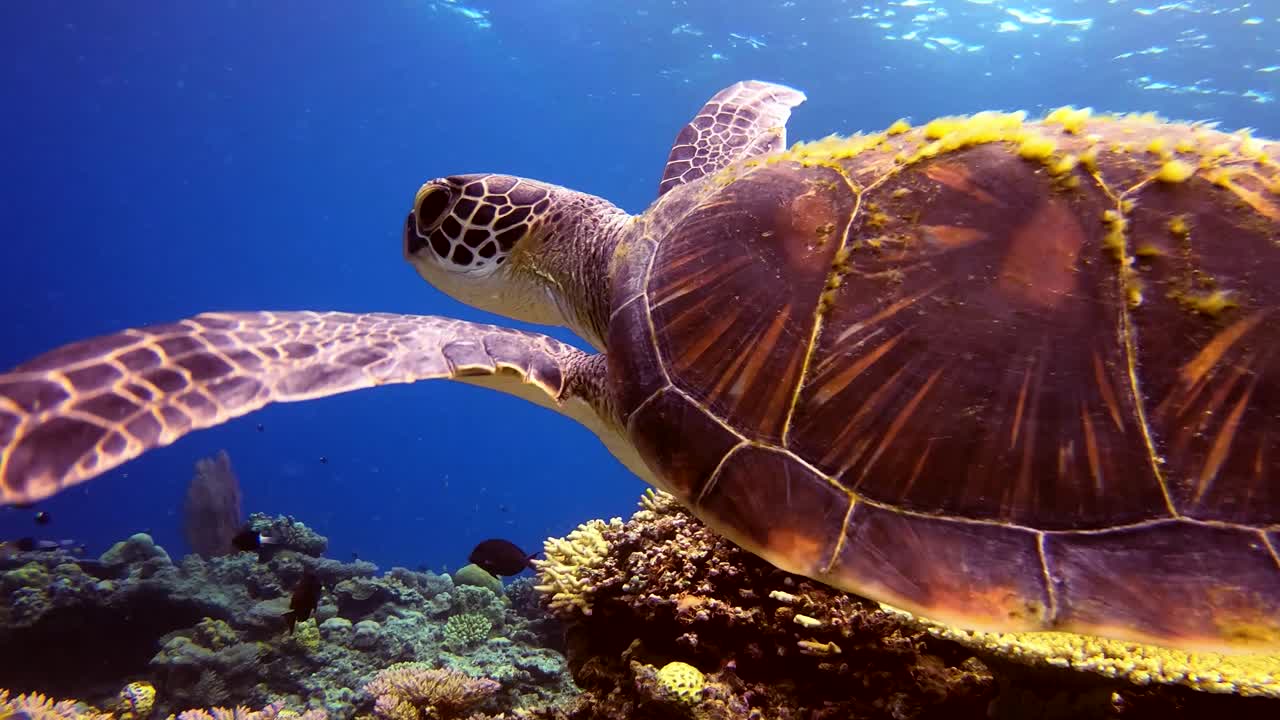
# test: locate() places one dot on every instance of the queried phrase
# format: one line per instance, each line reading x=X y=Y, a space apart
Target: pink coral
x=415 y=691
x=35 y=706
x=271 y=712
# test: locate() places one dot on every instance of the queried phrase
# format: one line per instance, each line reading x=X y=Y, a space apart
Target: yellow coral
x=136 y=700
x=682 y=681
x=1251 y=674
x=565 y=573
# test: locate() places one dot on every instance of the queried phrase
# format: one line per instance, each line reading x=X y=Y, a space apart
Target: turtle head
x=520 y=248
x=463 y=233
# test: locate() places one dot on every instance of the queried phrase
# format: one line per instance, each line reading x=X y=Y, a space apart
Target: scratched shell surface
x=995 y=385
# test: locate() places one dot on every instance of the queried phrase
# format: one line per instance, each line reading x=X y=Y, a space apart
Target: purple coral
x=211 y=513
x=415 y=691
x=270 y=712
x=38 y=707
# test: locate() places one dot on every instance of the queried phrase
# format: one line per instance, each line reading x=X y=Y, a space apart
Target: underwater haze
x=163 y=159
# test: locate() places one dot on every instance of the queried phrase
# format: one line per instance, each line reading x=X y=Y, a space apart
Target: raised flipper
x=745 y=119
x=82 y=409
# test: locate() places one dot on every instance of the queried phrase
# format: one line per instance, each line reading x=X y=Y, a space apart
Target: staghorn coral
x=668 y=589
x=575 y=565
x=417 y=691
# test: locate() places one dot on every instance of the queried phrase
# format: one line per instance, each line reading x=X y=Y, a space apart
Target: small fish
x=261 y=427
x=9 y=548
x=42 y=518
x=250 y=540
x=501 y=557
x=306 y=595
x=324 y=460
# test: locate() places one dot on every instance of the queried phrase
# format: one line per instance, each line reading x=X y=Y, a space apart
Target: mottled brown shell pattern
x=1005 y=374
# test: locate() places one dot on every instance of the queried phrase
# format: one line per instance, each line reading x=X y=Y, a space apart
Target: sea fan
x=211 y=513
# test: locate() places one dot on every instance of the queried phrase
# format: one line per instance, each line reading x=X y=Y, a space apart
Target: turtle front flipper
x=82 y=409
x=746 y=119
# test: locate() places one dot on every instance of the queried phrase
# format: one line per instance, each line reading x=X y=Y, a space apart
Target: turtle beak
x=413 y=243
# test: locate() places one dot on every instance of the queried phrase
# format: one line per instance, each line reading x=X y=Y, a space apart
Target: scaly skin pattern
x=78 y=411
x=1009 y=375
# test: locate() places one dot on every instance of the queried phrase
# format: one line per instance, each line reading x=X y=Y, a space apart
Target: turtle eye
x=433 y=202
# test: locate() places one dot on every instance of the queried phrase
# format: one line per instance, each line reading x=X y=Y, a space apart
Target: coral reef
x=34 y=706
x=656 y=618
x=415 y=691
x=204 y=632
x=666 y=619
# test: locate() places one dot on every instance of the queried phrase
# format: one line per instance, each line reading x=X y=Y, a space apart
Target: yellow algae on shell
x=1071 y=119
x=1175 y=171
x=1246 y=674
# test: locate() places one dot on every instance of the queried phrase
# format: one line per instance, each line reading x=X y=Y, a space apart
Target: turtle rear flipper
x=80 y=410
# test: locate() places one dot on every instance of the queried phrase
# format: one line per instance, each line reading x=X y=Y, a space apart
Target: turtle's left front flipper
x=746 y=119
x=82 y=409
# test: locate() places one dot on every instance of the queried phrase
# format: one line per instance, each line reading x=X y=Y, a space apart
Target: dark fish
x=306 y=595
x=261 y=427
x=250 y=540
x=42 y=518
x=9 y=548
x=501 y=557
x=324 y=460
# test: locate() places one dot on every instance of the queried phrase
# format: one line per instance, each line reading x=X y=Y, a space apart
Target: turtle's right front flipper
x=82 y=409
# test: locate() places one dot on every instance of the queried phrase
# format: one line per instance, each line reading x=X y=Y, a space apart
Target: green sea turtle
x=1007 y=374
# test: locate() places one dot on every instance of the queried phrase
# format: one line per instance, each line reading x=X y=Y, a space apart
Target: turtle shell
x=1009 y=375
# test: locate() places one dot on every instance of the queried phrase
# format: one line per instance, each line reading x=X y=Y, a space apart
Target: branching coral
x=416 y=691
x=34 y=706
x=270 y=712
x=574 y=564
x=467 y=629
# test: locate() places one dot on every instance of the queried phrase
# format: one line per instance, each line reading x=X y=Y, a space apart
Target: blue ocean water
x=162 y=159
